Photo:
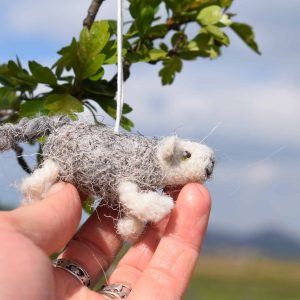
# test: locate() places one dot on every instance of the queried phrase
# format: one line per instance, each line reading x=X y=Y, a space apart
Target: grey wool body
x=29 y=130
x=96 y=160
x=128 y=172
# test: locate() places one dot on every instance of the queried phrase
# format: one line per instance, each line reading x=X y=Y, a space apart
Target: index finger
x=168 y=272
x=49 y=223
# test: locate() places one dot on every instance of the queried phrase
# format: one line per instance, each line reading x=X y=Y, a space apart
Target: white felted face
x=185 y=161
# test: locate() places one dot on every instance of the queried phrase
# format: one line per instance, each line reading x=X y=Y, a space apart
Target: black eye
x=186 y=155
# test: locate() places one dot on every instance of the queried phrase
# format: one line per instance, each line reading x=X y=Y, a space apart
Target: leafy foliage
x=246 y=33
x=78 y=75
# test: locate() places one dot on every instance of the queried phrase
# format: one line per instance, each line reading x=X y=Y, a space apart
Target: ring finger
x=93 y=247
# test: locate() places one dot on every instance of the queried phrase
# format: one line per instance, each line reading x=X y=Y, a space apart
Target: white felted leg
x=36 y=185
x=146 y=206
x=130 y=228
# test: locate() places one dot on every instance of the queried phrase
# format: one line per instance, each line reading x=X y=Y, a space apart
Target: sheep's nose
x=210 y=167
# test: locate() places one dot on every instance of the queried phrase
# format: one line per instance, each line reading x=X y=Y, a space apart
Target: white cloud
x=266 y=112
x=261 y=174
x=256 y=174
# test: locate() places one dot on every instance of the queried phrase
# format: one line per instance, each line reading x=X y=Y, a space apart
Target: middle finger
x=96 y=244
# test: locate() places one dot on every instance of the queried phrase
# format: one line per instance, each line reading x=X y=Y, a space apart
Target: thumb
x=52 y=222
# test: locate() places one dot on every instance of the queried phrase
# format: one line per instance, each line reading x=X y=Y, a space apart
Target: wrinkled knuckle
x=161 y=276
x=95 y=250
x=181 y=243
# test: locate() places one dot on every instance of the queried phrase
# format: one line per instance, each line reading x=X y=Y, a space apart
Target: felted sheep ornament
x=127 y=171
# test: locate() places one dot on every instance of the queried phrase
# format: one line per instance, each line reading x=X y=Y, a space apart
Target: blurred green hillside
x=245 y=278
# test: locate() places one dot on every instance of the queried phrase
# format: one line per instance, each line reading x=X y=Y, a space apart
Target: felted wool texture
x=36 y=186
x=130 y=227
x=28 y=130
x=150 y=206
x=96 y=160
x=127 y=171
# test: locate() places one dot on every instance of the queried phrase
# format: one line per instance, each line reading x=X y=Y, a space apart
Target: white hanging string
x=120 y=80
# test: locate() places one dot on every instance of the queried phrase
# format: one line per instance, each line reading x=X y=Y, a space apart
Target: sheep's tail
x=29 y=130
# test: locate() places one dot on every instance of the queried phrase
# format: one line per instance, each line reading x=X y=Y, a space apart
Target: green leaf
x=202 y=41
x=134 y=8
x=226 y=3
x=98 y=75
x=126 y=109
x=112 y=24
x=100 y=87
x=8 y=98
x=157 y=54
x=141 y=54
x=192 y=5
x=174 y=5
x=214 y=52
x=89 y=59
x=225 y=20
x=100 y=34
x=210 y=15
x=85 y=56
x=192 y=55
x=5 y=77
x=163 y=47
x=91 y=42
x=14 y=69
x=200 y=45
x=93 y=66
x=171 y=67
x=63 y=104
x=87 y=204
x=109 y=105
x=41 y=74
x=33 y=108
x=110 y=51
x=11 y=75
x=218 y=34
x=144 y=20
x=126 y=123
x=134 y=57
x=246 y=33
x=68 y=58
x=158 y=31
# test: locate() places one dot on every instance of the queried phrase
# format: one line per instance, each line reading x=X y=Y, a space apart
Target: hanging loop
x=120 y=79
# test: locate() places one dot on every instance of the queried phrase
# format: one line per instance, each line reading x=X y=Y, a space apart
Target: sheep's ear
x=168 y=149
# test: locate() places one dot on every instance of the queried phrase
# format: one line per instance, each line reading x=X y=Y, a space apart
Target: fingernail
x=56 y=188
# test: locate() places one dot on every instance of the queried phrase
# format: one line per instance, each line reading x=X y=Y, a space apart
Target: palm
x=158 y=266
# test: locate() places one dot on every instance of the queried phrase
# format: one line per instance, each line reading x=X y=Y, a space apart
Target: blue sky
x=254 y=100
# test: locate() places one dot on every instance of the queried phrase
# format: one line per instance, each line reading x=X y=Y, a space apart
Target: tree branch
x=19 y=151
x=176 y=46
x=92 y=12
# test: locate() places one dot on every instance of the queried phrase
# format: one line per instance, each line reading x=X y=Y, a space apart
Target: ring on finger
x=115 y=291
x=73 y=268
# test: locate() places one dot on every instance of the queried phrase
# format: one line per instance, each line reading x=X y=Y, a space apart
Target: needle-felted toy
x=126 y=171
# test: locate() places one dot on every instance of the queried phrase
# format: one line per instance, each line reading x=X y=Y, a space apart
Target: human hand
x=158 y=266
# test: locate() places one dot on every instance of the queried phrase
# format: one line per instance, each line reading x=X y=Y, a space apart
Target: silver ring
x=73 y=268
x=115 y=291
